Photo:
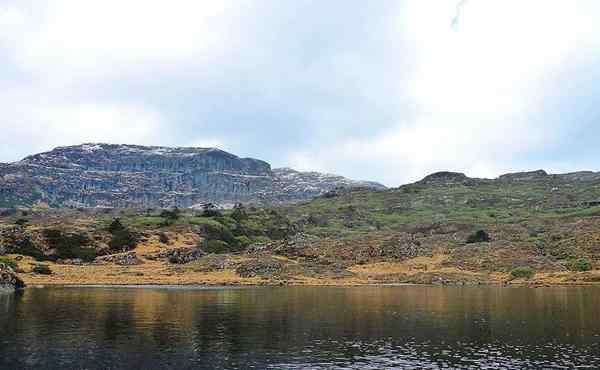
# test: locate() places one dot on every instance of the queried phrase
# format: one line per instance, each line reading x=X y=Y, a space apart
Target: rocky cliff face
x=106 y=175
x=290 y=184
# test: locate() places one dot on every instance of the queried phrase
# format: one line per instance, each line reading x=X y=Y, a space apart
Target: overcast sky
x=379 y=90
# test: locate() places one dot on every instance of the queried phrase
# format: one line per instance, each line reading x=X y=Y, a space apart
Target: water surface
x=301 y=327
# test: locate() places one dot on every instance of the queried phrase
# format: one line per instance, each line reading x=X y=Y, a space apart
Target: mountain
x=109 y=175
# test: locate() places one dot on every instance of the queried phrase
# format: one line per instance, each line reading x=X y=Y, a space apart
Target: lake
x=300 y=328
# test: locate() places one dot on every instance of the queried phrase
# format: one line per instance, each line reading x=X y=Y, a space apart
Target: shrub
x=239 y=213
x=523 y=272
x=213 y=232
x=9 y=262
x=243 y=241
x=115 y=226
x=170 y=216
x=580 y=264
x=42 y=270
x=215 y=246
x=21 y=222
x=478 y=237
x=122 y=240
x=26 y=248
x=69 y=245
x=261 y=239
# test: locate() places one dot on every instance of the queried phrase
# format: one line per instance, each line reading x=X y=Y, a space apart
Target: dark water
x=304 y=327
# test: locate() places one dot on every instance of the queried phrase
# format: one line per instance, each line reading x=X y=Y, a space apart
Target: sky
x=378 y=90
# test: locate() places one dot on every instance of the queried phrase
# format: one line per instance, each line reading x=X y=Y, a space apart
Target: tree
x=115 y=226
x=239 y=212
x=170 y=216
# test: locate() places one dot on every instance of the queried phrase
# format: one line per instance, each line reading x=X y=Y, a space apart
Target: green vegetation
x=9 y=262
x=580 y=264
x=27 y=248
x=170 y=216
x=215 y=246
x=523 y=272
x=480 y=236
x=69 y=246
x=122 y=238
x=42 y=270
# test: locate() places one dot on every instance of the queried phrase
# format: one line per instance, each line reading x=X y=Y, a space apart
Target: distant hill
x=108 y=175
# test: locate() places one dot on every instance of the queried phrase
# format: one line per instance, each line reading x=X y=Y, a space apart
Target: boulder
x=264 y=267
x=9 y=281
x=182 y=255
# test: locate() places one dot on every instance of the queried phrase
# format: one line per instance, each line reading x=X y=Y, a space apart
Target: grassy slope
x=405 y=234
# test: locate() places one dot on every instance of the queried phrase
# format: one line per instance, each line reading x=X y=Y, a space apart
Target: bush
x=243 y=241
x=27 y=248
x=215 y=246
x=580 y=264
x=478 y=237
x=523 y=272
x=122 y=240
x=69 y=245
x=21 y=222
x=9 y=262
x=115 y=226
x=261 y=239
x=213 y=232
x=42 y=270
x=239 y=213
x=170 y=216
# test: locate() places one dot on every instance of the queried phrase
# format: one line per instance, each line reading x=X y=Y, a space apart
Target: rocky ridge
x=120 y=176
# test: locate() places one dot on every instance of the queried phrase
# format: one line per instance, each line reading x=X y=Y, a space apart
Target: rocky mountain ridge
x=111 y=175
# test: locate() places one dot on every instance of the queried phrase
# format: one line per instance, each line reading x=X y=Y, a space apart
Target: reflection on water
x=301 y=327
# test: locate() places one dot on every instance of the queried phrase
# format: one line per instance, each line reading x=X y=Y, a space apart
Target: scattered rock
x=123 y=259
x=69 y=261
x=179 y=255
x=264 y=267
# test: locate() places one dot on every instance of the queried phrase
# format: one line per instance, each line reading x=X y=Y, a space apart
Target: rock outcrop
x=9 y=281
x=291 y=185
x=444 y=177
x=107 y=175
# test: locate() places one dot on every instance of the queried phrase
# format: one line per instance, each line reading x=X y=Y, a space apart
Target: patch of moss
x=523 y=272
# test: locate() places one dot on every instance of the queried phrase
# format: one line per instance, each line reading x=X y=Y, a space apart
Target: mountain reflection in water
x=301 y=327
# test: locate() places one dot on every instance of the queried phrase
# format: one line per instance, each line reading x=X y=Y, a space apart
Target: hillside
x=527 y=227
x=127 y=176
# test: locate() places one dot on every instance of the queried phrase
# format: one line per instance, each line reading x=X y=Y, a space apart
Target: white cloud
x=72 y=39
x=408 y=152
x=431 y=96
x=492 y=61
x=45 y=126
x=477 y=87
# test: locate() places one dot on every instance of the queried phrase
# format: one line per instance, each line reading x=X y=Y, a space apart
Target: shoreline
x=275 y=284
x=428 y=271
